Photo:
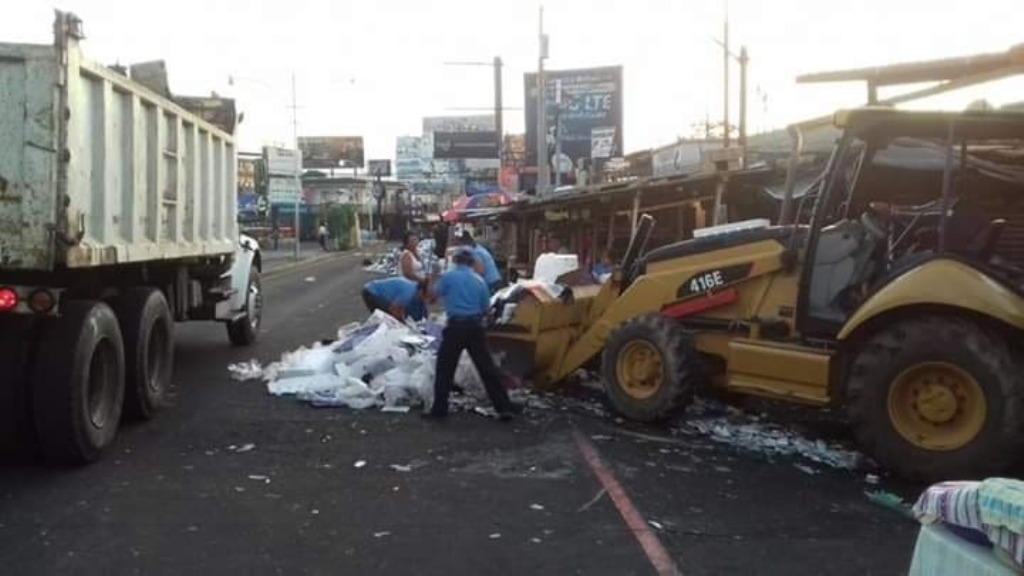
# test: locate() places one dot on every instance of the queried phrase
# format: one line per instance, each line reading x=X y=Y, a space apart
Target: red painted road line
x=656 y=553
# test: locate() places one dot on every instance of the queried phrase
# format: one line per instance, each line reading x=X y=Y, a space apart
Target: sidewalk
x=284 y=256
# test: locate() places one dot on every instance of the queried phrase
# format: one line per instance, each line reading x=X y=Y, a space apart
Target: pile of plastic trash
x=380 y=363
x=387 y=263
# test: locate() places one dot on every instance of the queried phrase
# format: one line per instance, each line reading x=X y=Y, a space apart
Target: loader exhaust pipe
x=794 y=159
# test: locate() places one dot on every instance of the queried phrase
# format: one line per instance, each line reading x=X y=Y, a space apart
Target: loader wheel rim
x=937 y=406
x=638 y=368
x=102 y=385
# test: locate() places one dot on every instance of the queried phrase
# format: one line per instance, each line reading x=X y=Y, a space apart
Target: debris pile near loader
x=386 y=364
x=379 y=363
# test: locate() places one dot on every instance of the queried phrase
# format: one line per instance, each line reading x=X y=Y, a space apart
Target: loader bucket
x=532 y=341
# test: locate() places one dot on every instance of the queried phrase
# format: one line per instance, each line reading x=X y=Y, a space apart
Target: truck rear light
x=41 y=301
x=8 y=299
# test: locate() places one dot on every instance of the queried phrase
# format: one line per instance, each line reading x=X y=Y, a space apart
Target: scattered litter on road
x=535 y=540
x=600 y=494
x=495 y=536
x=314 y=512
x=310 y=278
x=401 y=468
x=536 y=507
x=656 y=525
x=871 y=479
x=359 y=463
x=381 y=534
x=260 y=478
x=395 y=409
x=891 y=501
x=805 y=469
x=748 y=433
x=243 y=371
x=245 y=448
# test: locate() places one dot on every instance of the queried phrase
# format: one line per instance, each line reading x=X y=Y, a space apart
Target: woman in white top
x=409 y=264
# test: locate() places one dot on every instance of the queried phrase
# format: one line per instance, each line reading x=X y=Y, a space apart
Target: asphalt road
x=174 y=497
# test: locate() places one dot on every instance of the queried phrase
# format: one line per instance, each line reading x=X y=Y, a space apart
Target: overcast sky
x=375 y=68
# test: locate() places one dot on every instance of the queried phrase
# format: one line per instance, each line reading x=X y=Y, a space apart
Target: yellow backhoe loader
x=884 y=288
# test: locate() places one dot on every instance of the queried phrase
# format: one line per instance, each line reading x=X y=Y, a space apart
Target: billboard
x=379 y=167
x=456 y=145
x=590 y=113
x=475 y=123
x=282 y=161
x=331 y=151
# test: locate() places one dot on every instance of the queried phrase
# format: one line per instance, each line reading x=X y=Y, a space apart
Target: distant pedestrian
x=322 y=235
x=409 y=264
x=466 y=301
x=397 y=296
x=484 y=263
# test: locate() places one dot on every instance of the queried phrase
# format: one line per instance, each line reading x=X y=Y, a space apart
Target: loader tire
x=938 y=398
x=148 y=331
x=245 y=330
x=649 y=368
x=78 y=383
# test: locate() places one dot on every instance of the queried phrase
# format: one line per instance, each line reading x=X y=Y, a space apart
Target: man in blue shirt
x=466 y=300
x=397 y=296
x=484 y=265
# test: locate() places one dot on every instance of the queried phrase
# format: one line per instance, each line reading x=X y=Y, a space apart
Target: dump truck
x=892 y=288
x=117 y=220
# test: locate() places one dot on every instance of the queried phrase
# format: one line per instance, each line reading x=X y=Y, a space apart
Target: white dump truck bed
x=97 y=170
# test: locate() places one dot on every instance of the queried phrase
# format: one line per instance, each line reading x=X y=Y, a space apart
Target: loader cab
x=899 y=189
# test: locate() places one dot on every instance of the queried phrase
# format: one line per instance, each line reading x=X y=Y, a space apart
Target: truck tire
x=148 y=331
x=17 y=435
x=78 y=383
x=938 y=398
x=649 y=368
x=245 y=330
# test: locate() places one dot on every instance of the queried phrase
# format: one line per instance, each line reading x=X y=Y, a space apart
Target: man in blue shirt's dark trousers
x=397 y=296
x=466 y=300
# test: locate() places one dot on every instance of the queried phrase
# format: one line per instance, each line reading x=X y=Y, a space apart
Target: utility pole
x=558 y=133
x=498 y=124
x=725 y=69
x=543 y=173
x=743 y=96
x=298 y=177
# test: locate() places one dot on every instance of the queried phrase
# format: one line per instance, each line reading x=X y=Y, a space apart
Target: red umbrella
x=475 y=202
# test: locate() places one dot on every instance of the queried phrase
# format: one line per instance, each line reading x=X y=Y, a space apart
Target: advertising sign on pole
x=456 y=145
x=331 y=151
x=588 y=117
x=380 y=168
x=282 y=162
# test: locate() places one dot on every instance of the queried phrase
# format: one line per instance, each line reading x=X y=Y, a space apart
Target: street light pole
x=543 y=174
x=298 y=195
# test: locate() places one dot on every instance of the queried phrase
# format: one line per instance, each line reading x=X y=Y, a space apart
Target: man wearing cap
x=466 y=300
x=484 y=263
x=397 y=296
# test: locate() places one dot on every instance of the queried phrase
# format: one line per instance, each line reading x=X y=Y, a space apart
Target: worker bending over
x=466 y=300
x=397 y=296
